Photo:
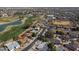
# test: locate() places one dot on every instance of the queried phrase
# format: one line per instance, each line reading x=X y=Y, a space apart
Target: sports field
x=63 y=23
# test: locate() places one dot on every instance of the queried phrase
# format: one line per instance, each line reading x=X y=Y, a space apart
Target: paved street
x=33 y=42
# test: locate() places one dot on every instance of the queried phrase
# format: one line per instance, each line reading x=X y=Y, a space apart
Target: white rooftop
x=43 y=47
x=12 y=45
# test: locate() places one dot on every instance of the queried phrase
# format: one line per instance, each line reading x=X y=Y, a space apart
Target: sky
x=39 y=3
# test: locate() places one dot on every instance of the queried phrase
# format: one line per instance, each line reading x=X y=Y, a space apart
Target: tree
x=19 y=42
x=21 y=17
x=49 y=34
x=60 y=32
x=51 y=47
x=33 y=34
x=42 y=38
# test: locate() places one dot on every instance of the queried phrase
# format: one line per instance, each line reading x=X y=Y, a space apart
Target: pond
x=3 y=26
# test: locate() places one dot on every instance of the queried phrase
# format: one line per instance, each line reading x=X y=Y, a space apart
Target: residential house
x=12 y=45
x=42 y=47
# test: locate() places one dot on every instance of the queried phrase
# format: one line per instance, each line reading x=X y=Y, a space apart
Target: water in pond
x=3 y=26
